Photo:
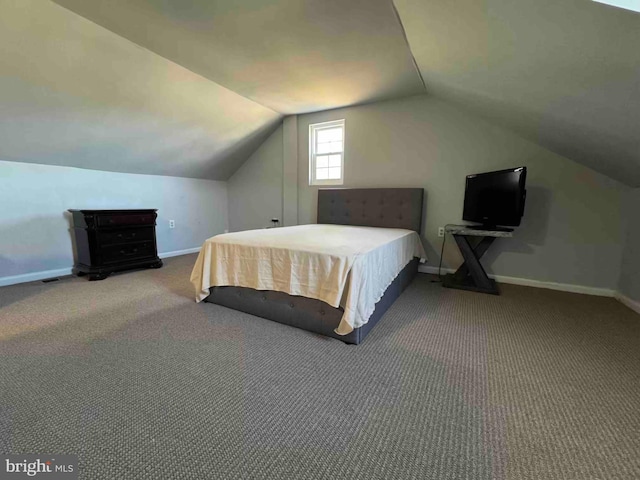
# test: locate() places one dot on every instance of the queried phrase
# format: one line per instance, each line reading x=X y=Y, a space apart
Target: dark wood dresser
x=108 y=241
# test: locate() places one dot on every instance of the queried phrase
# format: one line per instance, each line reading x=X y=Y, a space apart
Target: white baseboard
x=434 y=270
x=632 y=304
x=61 y=272
x=563 y=287
x=177 y=253
x=34 y=276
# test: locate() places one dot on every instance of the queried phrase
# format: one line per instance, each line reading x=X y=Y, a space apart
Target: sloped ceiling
x=191 y=88
x=293 y=56
x=565 y=74
x=75 y=94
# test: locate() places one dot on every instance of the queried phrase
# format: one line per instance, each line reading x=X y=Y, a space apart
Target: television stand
x=487 y=228
x=471 y=276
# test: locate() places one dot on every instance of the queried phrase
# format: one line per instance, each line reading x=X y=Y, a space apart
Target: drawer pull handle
x=130 y=235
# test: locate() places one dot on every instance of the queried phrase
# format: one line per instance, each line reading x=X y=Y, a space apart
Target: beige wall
x=630 y=274
x=290 y=171
x=35 y=235
x=255 y=190
x=572 y=230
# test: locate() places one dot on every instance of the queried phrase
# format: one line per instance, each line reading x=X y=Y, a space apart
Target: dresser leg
x=97 y=276
x=158 y=264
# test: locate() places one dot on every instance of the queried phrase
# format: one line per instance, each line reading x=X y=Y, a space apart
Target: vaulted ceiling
x=75 y=94
x=293 y=56
x=564 y=74
x=191 y=88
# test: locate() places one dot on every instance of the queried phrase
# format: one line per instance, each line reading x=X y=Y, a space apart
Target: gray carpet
x=140 y=382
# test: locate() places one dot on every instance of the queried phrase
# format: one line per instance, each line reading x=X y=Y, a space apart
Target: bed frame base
x=307 y=313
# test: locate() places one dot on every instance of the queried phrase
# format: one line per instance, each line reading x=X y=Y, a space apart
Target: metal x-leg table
x=471 y=275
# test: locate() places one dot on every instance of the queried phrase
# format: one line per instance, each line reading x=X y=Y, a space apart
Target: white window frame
x=313 y=129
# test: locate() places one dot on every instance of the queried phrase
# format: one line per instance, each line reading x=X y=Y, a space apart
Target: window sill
x=324 y=183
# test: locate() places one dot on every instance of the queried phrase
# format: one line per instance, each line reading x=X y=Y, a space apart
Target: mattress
x=347 y=266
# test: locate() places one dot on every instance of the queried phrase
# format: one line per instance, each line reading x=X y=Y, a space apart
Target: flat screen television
x=495 y=199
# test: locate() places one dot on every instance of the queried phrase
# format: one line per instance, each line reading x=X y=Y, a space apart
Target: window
x=326 y=153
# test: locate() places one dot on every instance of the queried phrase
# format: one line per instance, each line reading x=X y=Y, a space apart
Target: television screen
x=495 y=198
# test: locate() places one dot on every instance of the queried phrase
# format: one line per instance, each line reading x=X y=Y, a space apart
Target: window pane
x=335 y=160
x=330 y=135
x=329 y=147
x=326 y=159
x=322 y=173
x=324 y=148
x=322 y=162
x=336 y=146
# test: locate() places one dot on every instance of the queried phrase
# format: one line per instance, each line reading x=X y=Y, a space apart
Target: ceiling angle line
x=406 y=40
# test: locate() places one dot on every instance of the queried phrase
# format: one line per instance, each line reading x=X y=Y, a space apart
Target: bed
x=336 y=278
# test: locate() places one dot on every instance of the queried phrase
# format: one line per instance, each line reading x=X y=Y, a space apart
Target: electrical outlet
x=441 y=232
x=172 y=224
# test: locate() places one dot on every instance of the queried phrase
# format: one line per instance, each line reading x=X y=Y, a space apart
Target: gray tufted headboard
x=372 y=207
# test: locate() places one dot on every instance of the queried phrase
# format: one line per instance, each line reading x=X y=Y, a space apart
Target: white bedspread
x=315 y=261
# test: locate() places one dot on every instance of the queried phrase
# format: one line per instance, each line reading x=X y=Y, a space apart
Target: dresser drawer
x=120 y=219
x=132 y=234
x=125 y=253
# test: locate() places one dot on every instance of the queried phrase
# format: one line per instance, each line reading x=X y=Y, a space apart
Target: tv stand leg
x=478 y=251
x=471 y=275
